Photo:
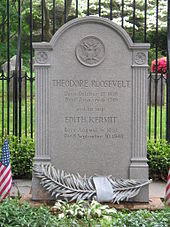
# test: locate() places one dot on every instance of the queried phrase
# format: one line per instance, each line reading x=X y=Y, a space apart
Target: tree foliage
x=71 y=13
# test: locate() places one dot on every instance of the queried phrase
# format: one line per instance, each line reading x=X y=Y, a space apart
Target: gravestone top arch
x=88 y=20
x=91 y=103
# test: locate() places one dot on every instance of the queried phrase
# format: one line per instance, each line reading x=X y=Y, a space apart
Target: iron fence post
x=15 y=103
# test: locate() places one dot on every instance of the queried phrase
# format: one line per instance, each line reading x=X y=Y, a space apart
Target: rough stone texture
x=22 y=86
x=11 y=74
x=153 y=204
x=160 y=90
x=90 y=114
x=12 y=64
x=28 y=198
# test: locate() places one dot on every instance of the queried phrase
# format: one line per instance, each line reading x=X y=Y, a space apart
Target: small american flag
x=5 y=172
x=168 y=190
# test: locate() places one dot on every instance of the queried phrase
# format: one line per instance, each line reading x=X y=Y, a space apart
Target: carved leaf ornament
x=74 y=187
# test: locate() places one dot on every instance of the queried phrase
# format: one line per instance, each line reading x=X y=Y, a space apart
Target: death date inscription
x=96 y=128
x=84 y=133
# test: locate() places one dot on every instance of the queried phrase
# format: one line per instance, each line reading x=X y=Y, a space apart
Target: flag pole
x=5 y=133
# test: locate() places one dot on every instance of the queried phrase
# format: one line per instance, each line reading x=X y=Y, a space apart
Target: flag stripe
x=7 y=188
x=3 y=197
x=167 y=197
x=168 y=176
x=5 y=183
x=2 y=169
x=168 y=189
x=168 y=201
x=5 y=174
x=168 y=192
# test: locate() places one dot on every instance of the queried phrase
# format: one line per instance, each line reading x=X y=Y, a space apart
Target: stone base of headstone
x=139 y=170
x=154 y=203
x=152 y=92
x=38 y=192
x=143 y=195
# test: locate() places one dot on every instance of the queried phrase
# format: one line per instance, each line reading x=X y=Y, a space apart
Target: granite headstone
x=91 y=102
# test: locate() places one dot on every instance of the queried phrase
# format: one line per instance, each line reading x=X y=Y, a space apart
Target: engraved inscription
x=92 y=83
x=89 y=97
x=140 y=58
x=41 y=57
x=90 y=51
x=86 y=104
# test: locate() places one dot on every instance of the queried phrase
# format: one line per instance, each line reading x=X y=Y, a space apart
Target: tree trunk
x=47 y=32
x=68 y=7
x=3 y=28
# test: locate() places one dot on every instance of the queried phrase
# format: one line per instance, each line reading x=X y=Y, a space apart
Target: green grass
x=23 y=115
x=159 y=122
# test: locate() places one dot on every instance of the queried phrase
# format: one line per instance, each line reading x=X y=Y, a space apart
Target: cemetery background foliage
x=24 y=22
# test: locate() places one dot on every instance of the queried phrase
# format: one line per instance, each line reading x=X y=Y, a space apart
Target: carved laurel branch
x=125 y=189
x=65 y=185
x=75 y=188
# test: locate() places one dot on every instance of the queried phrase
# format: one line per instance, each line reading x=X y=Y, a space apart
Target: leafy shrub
x=22 y=153
x=159 y=159
x=14 y=214
x=94 y=214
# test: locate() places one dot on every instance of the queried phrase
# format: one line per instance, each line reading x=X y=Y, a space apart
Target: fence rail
x=17 y=85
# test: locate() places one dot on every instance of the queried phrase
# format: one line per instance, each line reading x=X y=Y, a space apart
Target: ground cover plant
x=78 y=214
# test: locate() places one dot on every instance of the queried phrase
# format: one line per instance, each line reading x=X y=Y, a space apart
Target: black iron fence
x=157 y=106
x=17 y=104
x=23 y=22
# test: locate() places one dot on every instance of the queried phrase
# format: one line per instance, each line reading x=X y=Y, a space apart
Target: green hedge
x=159 y=159
x=22 y=153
